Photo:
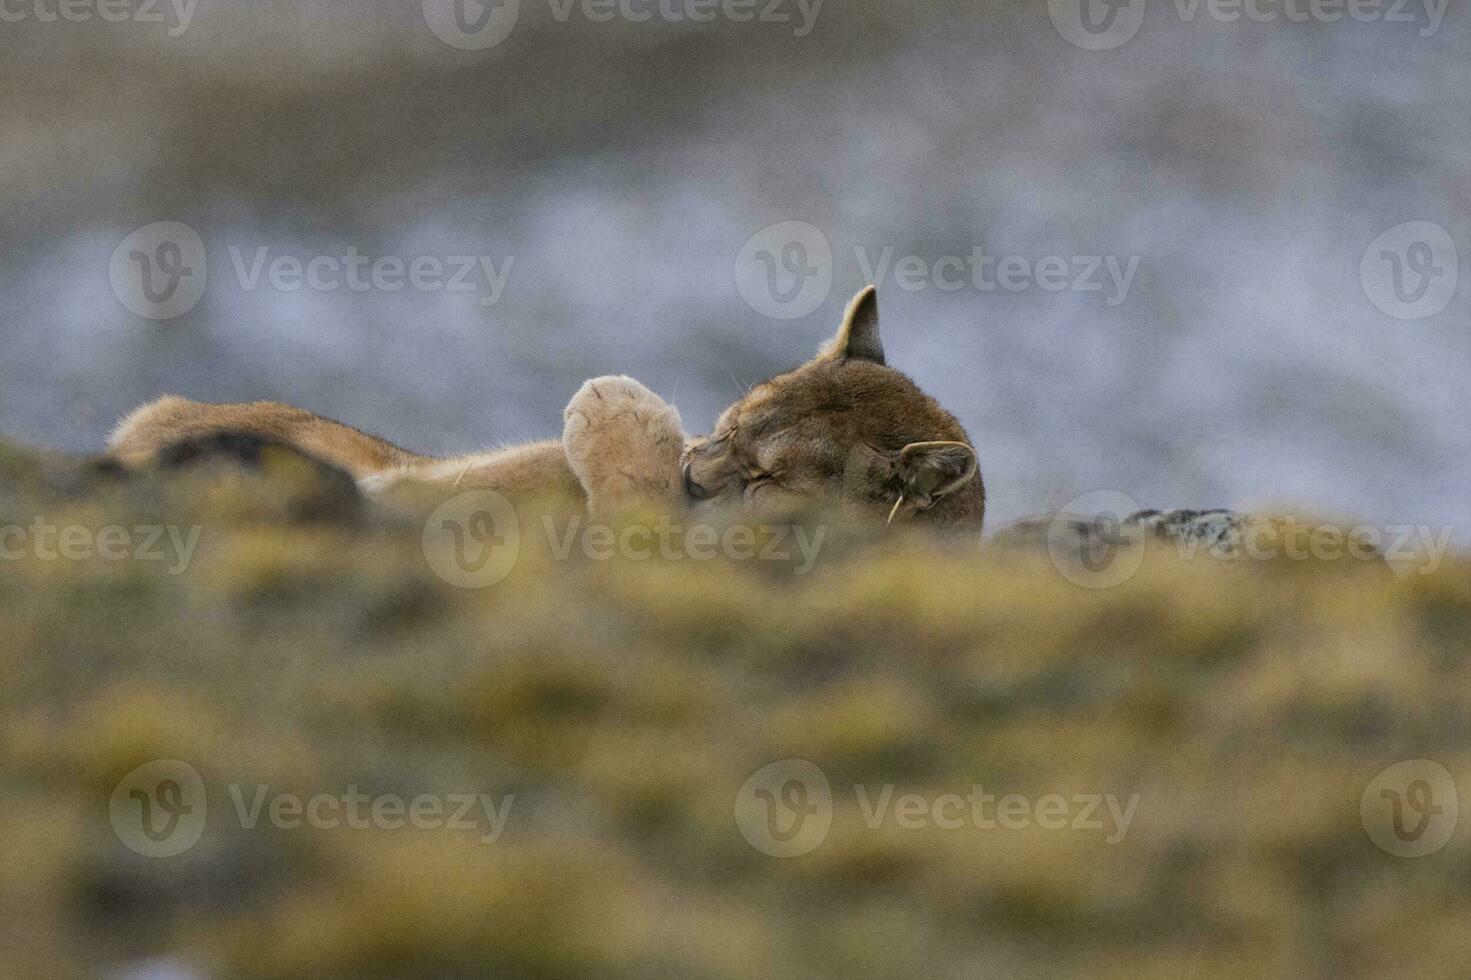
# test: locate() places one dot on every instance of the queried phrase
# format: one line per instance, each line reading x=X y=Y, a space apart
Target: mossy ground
x=623 y=704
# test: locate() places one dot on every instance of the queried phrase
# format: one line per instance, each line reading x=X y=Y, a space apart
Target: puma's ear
x=933 y=469
x=858 y=337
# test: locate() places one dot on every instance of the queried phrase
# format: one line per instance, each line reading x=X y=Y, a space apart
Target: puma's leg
x=536 y=468
x=624 y=443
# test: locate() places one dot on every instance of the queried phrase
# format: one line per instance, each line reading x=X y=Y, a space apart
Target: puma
x=844 y=428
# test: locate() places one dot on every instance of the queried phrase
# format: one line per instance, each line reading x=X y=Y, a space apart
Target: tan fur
x=620 y=448
x=624 y=444
x=843 y=427
x=530 y=468
x=170 y=419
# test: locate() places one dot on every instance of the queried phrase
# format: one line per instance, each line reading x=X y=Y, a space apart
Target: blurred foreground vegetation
x=308 y=646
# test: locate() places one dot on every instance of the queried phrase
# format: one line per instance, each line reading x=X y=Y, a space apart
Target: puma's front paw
x=623 y=442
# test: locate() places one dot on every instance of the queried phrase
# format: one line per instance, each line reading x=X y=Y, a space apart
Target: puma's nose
x=695 y=491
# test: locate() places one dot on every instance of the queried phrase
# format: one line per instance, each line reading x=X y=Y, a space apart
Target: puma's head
x=843 y=427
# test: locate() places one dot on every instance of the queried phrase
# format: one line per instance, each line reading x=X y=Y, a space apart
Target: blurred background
x=1219 y=260
x=620 y=178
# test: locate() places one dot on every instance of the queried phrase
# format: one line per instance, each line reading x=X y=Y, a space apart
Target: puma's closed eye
x=755 y=487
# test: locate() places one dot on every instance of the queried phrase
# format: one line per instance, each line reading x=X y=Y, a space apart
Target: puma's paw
x=611 y=396
x=623 y=442
x=615 y=408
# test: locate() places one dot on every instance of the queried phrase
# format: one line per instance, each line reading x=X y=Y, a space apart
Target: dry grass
x=624 y=703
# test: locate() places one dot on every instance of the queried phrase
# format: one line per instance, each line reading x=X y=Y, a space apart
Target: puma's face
x=844 y=427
